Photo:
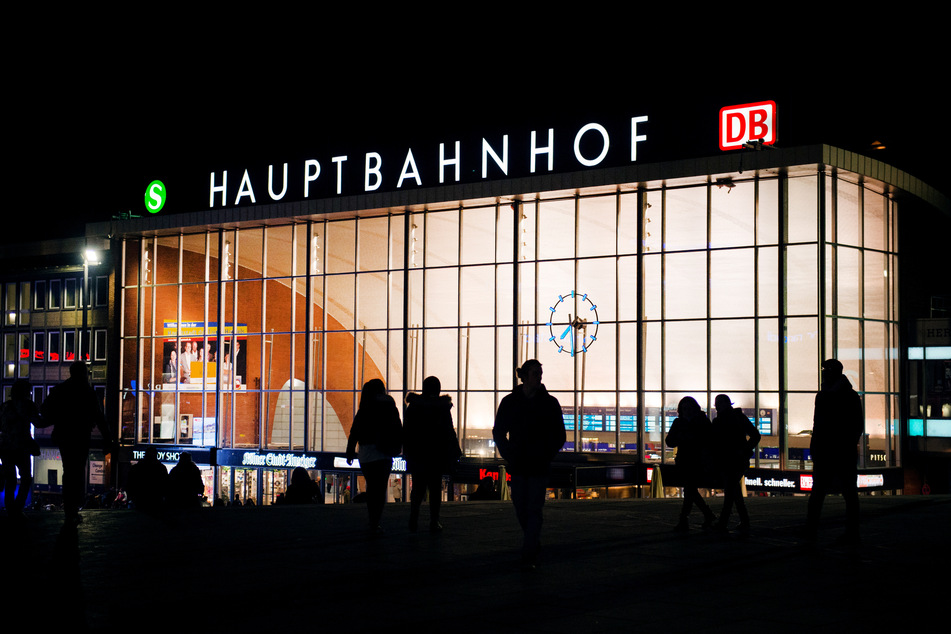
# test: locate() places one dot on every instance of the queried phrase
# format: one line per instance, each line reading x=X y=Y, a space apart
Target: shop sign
x=747 y=123
x=174 y=454
x=587 y=147
x=398 y=466
x=278 y=460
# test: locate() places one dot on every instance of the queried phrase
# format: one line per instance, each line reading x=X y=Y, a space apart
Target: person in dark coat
x=148 y=482
x=690 y=433
x=430 y=447
x=838 y=424
x=302 y=490
x=185 y=486
x=735 y=439
x=378 y=433
x=73 y=409
x=529 y=431
x=17 y=445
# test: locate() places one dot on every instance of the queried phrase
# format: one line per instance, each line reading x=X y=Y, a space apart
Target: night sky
x=100 y=124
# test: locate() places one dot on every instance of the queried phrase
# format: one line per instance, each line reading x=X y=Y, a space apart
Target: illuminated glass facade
x=259 y=334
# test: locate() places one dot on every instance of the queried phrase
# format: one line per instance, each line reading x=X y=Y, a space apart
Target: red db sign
x=746 y=123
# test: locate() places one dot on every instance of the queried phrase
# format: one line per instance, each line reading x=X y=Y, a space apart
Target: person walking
x=690 y=435
x=186 y=489
x=838 y=424
x=736 y=438
x=529 y=431
x=148 y=482
x=378 y=433
x=430 y=447
x=73 y=409
x=17 y=445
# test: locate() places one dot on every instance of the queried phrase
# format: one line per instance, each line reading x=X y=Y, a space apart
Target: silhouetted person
x=302 y=490
x=529 y=431
x=690 y=433
x=838 y=423
x=17 y=445
x=430 y=447
x=185 y=486
x=736 y=438
x=236 y=501
x=73 y=409
x=378 y=433
x=148 y=482
x=485 y=490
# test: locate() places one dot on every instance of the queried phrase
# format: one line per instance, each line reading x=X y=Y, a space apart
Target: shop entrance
x=245 y=485
x=338 y=486
x=274 y=483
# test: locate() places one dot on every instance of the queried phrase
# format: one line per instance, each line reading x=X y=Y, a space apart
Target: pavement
x=606 y=566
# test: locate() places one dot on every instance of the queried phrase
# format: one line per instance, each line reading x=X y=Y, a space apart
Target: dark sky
x=99 y=124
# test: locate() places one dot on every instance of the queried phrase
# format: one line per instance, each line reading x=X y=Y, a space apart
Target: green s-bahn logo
x=155 y=197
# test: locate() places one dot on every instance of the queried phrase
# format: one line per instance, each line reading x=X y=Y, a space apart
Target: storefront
x=251 y=329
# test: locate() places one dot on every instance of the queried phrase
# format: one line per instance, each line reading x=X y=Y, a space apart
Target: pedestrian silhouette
x=529 y=431
x=690 y=434
x=148 y=482
x=73 y=409
x=378 y=433
x=302 y=490
x=838 y=423
x=430 y=447
x=17 y=445
x=185 y=486
x=485 y=490
x=735 y=439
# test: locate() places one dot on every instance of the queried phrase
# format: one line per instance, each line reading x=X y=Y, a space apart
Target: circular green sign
x=155 y=197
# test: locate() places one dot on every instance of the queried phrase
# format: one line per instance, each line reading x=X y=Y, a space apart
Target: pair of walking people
x=718 y=451
x=428 y=441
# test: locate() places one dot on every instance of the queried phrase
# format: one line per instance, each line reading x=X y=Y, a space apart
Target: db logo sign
x=748 y=122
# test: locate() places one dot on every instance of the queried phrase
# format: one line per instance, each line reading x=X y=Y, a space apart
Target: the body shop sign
x=747 y=123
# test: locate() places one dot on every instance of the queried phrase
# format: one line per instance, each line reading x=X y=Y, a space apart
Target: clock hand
x=565 y=333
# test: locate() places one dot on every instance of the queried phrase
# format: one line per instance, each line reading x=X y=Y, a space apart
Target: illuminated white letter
x=503 y=162
x=443 y=161
x=409 y=169
x=308 y=177
x=635 y=137
x=245 y=189
x=544 y=150
x=270 y=183
x=339 y=161
x=224 y=184
x=373 y=169
x=604 y=149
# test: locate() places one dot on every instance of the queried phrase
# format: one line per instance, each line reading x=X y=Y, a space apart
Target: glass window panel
x=767 y=217
x=731 y=216
x=555 y=280
x=685 y=225
x=873 y=220
x=477 y=299
x=442 y=297
x=558 y=368
x=768 y=285
x=503 y=294
x=556 y=229
x=279 y=305
x=799 y=417
x=194 y=260
x=847 y=282
x=802 y=270
x=478 y=235
x=875 y=418
x=597 y=226
x=340 y=246
x=441 y=346
x=597 y=279
x=685 y=285
x=627 y=353
x=652 y=286
x=340 y=302
x=478 y=362
x=396 y=241
x=442 y=238
x=685 y=354
x=53 y=351
x=505 y=241
x=627 y=224
x=166 y=260
x=373 y=242
x=653 y=222
x=627 y=288
x=56 y=295
x=527 y=230
x=849 y=350
x=802 y=353
x=371 y=300
x=652 y=356
x=39 y=295
x=598 y=369
x=847 y=221
x=732 y=355
x=876 y=280
x=39 y=346
x=803 y=213
x=875 y=353
x=280 y=249
x=768 y=352
x=248 y=303
x=732 y=283
x=71 y=296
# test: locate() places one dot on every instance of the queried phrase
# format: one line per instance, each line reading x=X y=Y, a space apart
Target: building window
x=56 y=294
x=39 y=295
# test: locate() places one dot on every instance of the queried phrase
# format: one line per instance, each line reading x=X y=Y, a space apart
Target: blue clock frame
x=561 y=325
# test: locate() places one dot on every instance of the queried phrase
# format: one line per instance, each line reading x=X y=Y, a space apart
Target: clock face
x=573 y=324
